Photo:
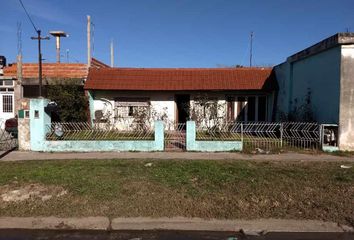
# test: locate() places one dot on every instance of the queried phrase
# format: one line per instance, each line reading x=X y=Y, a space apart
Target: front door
x=7 y=106
x=183 y=106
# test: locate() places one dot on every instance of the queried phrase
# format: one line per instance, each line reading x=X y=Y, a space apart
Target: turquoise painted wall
x=208 y=146
x=321 y=74
x=39 y=125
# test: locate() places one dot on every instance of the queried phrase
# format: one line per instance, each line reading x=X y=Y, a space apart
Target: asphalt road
x=14 y=234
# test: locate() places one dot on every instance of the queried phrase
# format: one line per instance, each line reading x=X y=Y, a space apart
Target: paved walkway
x=23 y=156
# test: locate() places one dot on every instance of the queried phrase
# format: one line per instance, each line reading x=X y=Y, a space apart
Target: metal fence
x=264 y=135
x=8 y=139
x=86 y=131
x=175 y=136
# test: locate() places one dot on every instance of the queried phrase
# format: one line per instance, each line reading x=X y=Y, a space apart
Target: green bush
x=71 y=100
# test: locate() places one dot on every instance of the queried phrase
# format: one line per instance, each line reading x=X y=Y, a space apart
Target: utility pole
x=112 y=54
x=40 y=38
x=251 y=48
x=88 y=41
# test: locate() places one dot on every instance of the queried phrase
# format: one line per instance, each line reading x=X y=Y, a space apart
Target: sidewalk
x=24 y=156
x=177 y=223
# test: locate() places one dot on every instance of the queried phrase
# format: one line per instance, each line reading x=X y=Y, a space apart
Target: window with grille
x=7 y=106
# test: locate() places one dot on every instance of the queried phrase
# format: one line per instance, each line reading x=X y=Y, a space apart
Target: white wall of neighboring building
x=346 y=113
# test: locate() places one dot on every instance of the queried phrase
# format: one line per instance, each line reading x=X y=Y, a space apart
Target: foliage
x=301 y=113
x=71 y=100
x=206 y=110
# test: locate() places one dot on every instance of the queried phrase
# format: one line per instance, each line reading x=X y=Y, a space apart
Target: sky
x=174 y=33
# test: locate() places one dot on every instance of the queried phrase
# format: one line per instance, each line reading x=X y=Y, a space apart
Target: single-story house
x=122 y=95
x=21 y=81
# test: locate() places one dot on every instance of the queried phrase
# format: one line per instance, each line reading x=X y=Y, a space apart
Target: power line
x=29 y=17
x=39 y=38
x=251 y=48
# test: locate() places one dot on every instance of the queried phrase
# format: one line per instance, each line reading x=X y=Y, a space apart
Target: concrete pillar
x=159 y=136
x=39 y=122
x=190 y=136
x=346 y=108
x=24 y=139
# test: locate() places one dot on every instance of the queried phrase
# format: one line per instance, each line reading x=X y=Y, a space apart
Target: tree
x=71 y=101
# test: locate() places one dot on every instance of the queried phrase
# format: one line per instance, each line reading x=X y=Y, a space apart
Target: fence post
x=321 y=136
x=190 y=135
x=281 y=135
x=39 y=120
x=159 y=136
x=242 y=134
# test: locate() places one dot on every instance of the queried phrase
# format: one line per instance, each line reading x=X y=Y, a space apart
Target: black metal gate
x=175 y=137
x=8 y=139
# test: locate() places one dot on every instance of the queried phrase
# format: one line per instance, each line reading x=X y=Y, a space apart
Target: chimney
x=58 y=35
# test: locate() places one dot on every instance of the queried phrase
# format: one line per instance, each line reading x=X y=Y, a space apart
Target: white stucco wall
x=198 y=110
x=346 y=116
x=162 y=104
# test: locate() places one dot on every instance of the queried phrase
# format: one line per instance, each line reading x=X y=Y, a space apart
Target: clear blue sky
x=175 y=33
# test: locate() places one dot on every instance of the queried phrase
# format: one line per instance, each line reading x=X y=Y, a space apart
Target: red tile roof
x=98 y=64
x=180 y=79
x=49 y=70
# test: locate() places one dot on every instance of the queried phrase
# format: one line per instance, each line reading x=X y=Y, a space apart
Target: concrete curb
x=293 y=157
x=177 y=223
x=89 y=223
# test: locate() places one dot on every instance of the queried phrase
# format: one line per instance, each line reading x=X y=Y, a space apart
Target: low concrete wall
x=208 y=146
x=39 y=142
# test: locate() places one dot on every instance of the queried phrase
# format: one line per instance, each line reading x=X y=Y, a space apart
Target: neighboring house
x=318 y=84
x=21 y=81
x=52 y=73
x=122 y=95
x=7 y=100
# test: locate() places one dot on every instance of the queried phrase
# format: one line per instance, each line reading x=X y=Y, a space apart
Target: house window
x=6 y=83
x=7 y=103
x=130 y=111
x=250 y=108
x=251 y=111
x=262 y=108
x=128 y=107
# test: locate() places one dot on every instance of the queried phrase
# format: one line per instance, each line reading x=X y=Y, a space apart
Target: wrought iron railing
x=222 y=131
x=175 y=136
x=301 y=134
x=263 y=135
x=98 y=131
x=8 y=139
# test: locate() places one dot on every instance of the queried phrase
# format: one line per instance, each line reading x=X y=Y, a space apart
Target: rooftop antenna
x=251 y=48
x=88 y=40
x=18 y=90
x=58 y=35
x=19 y=38
x=67 y=55
x=112 y=53
x=39 y=38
